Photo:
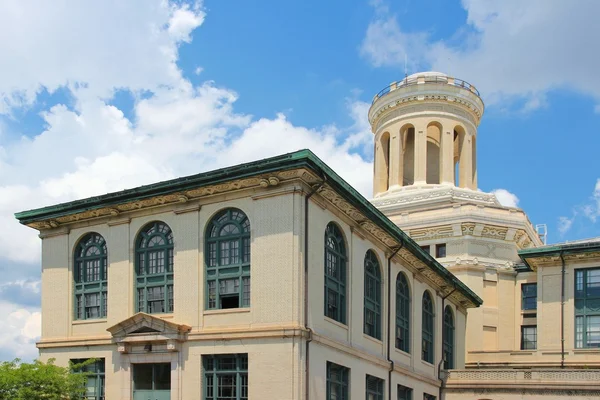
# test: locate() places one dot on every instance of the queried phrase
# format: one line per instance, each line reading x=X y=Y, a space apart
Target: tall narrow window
x=528 y=296
x=95 y=381
x=374 y=388
x=154 y=269
x=427 y=396
x=335 y=274
x=528 y=337
x=448 y=338
x=587 y=308
x=228 y=260
x=90 y=276
x=405 y=393
x=402 y=313
x=226 y=377
x=337 y=382
x=427 y=328
x=372 y=306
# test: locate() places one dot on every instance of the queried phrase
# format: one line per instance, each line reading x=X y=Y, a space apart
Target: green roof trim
x=298 y=159
x=580 y=246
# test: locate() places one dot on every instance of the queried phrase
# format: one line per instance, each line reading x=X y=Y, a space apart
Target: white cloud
x=21 y=328
x=506 y=198
x=509 y=49
x=564 y=224
x=99 y=45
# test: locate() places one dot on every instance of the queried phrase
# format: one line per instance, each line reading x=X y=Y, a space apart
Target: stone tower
x=425 y=180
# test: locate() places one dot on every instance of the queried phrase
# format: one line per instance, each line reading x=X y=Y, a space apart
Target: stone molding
x=418 y=196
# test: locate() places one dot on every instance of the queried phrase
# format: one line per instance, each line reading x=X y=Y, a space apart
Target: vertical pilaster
x=395 y=158
x=474 y=159
x=447 y=162
x=466 y=163
x=420 y=155
x=380 y=177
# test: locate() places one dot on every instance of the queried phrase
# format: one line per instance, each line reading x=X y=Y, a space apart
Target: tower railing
x=425 y=79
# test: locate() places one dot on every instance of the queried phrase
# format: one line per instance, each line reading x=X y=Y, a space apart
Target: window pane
x=162 y=376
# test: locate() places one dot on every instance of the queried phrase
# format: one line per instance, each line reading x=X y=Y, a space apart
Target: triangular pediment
x=142 y=324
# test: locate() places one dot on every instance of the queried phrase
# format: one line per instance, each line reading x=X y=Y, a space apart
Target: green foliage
x=40 y=381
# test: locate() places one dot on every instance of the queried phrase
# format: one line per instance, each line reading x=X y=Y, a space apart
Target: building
x=268 y=280
x=526 y=334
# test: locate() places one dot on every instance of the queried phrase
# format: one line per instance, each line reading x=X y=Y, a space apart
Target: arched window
x=402 y=313
x=427 y=328
x=228 y=260
x=335 y=274
x=448 y=338
x=372 y=312
x=154 y=269
x=90 y=275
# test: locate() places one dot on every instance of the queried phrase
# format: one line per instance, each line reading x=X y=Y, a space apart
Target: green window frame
x=374 y=388
x=402 y=313
x=587 y=308
x=372 y=296
x=154 y=275
x=228 y=260
x=90 y=275
x=528 y=296
x=427 y=328
x=225 y=377
x=95 y=377
x=404 y=393
x=338 y=378
x=448 y=342
x=335 y=274
x=528 y=337
x=427 y=396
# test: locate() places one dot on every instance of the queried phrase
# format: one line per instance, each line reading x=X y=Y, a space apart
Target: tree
x=40 y=381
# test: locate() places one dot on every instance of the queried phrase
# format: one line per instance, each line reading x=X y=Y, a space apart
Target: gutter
x=562 y=311
x=442 y=335
x=389 y=314
x=315 y=189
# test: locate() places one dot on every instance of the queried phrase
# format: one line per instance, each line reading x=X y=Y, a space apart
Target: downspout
x=442 y=335
x=389 y=314
x=562 y=311
x=315 y=189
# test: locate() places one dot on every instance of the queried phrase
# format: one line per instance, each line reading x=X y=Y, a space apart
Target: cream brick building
x=269 y=280
x=425 y=181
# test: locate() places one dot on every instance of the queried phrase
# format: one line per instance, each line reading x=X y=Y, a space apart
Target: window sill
x=89 y=321
x=227 y=311
x=427 y=363
x=402 y=352
x=333 y=321
x=522 y=352
x=584 y=350
x=372 y=339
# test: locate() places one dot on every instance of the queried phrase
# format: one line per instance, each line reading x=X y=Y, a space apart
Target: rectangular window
x=440 y=250
x=374 y=388
x=95 y=382
x=529 y=296
x=587 y=308
x=337 y=382
x=427 y=396
x=405 y=393
x=92 y=305
x=426 y=249
x=226 y=377
x=528 y=337
x=156 y=299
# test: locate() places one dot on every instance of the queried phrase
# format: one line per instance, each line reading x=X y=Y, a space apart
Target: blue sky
x=100 y=97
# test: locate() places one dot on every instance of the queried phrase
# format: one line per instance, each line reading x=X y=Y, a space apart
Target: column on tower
x=466 y=164
x=447 y=162
x=396 y=159
x=420 y=154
